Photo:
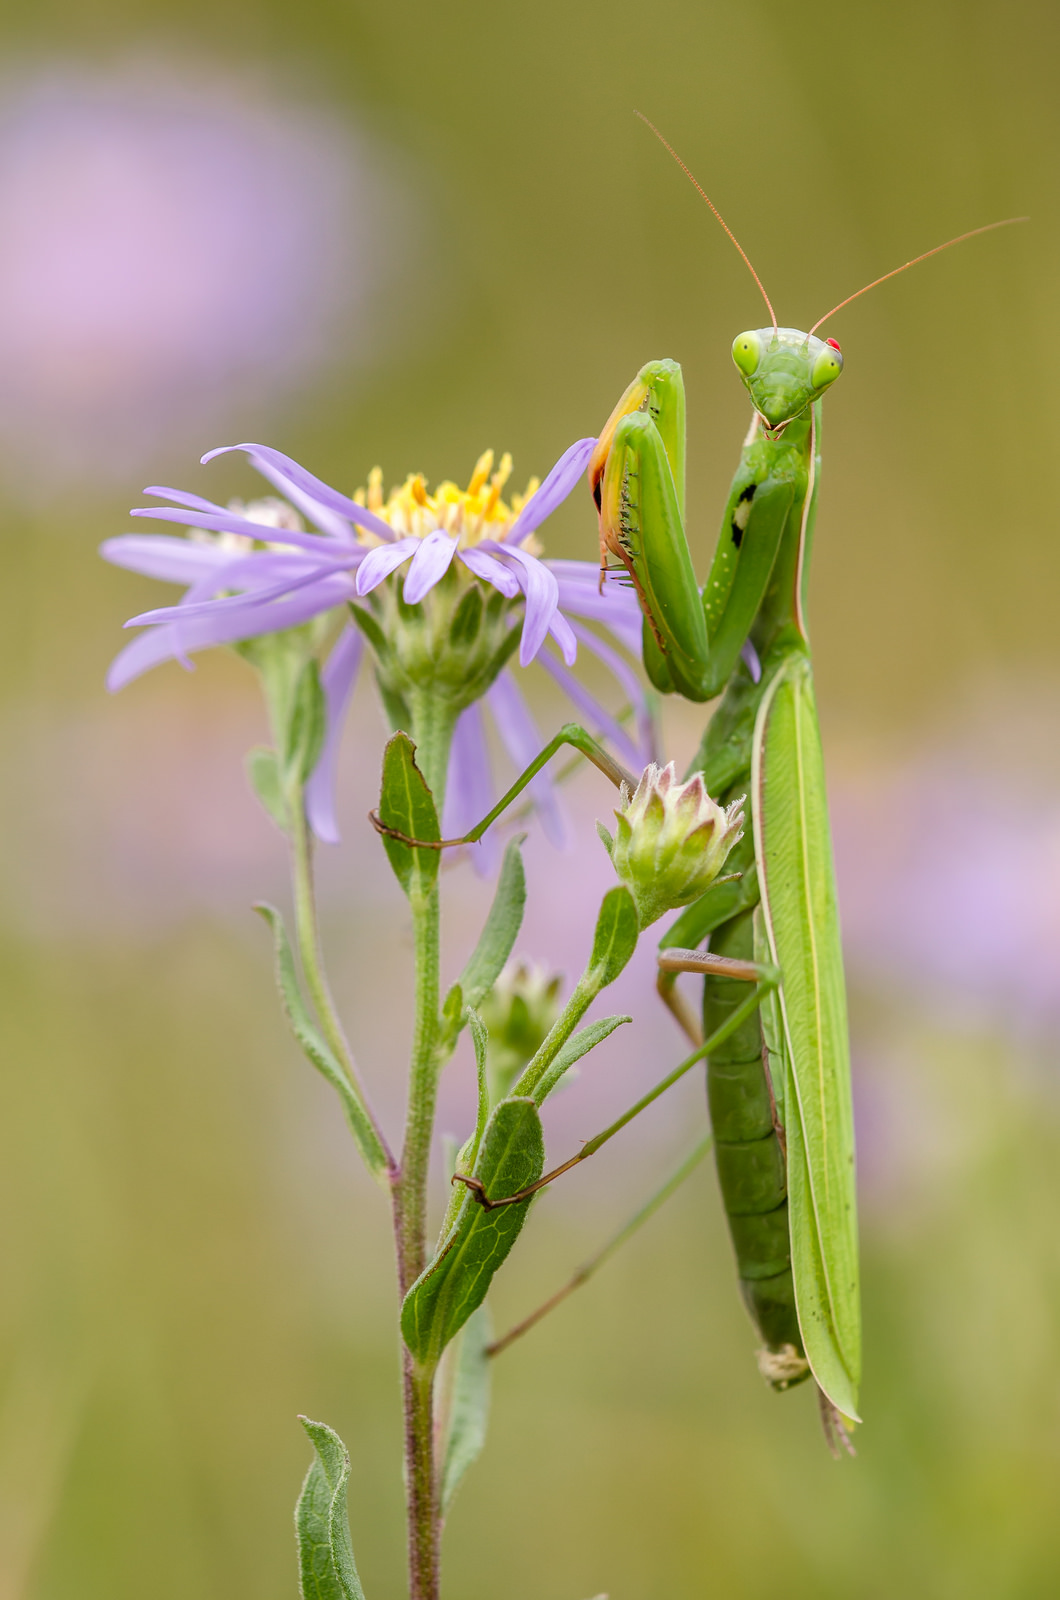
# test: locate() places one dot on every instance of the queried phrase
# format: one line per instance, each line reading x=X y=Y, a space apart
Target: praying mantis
x=778 y=1058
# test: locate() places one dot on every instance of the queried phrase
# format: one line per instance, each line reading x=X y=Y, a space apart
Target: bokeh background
x=398 y=234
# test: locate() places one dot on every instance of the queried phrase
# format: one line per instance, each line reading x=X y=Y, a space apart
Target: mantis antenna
x=987 y=228
x=694 y=181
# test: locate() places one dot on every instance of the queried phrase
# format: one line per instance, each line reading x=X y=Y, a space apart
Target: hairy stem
x=432 y=732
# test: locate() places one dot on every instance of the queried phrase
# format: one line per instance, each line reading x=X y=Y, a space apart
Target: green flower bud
x=671 y=841
x=518 y=1011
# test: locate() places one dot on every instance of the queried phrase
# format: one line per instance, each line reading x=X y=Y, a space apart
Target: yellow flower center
x=469 y=515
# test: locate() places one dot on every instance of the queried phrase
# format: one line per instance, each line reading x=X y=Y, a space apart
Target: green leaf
x=480 y=1039
x=326 y=1569
x=308 y=726
x=511 y=1156
x=498 y=937
x=263 y=770
x=450 y=1024
x=470 y=1405
x=316 y=1049
x=578 y=1045
x=406 y=803
x=615 y=940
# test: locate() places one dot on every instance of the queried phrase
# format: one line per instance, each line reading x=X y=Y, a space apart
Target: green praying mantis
x=777 y=1052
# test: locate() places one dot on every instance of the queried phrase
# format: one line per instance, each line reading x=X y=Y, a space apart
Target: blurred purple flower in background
x=949 y=889
x=171 y=247
x=242 y=586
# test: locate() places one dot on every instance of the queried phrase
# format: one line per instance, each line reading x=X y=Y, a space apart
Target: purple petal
x=338 y=678
x=542 y=597
x=552 y=493
x=285 y=473
x=469 y=790
x=490 y=570
x=429 y=565
x=633 y=687
x=523 y=742
x=295 y=577
x=617 y=607
x=230 y=522
x=597 y=715
x=181 y=497
x=165 y=556
x=170 y=640
x=750 y=660
x=382 y=561
x=563 y=633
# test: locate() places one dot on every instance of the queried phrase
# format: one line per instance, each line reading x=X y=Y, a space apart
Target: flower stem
x=432 y=732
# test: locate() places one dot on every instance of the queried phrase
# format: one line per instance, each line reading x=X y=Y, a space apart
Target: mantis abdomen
x=751 y=1166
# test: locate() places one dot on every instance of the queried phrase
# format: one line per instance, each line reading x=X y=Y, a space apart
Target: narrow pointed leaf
x=316 y=1049
x=263 y=770
x=480 y=1039
x=469 y=1415
x=578 y=1045
x=615 y=939
x=512 y=1156
x=326 y=1568
x=793 y=847
x=498 y=937
x=308 y=726
x=407 y=804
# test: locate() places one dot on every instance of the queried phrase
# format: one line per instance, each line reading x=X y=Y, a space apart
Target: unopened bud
x=671 y=842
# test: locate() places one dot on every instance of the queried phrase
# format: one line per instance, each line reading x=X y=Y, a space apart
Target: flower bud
x=671 y=841
x=518 y=1012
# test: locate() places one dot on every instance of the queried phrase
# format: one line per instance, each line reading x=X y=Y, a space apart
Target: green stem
x=421 y=1487
x=311 y=955
x=432 y=732
x=582 y=996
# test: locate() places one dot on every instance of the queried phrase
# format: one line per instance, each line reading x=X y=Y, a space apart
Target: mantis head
x=784 y=371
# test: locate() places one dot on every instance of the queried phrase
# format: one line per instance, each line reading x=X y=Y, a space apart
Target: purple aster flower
x=243 y=583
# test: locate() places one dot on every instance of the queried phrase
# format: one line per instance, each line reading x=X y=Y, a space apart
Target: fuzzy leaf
x=578 y=1045
x=480 y=1039
x=615 y=940
x=406 y=803
x=511 y=1156
x=316 y=1049
x=501 y=931
x=451 y=1023
x=326 y=1568
x=263 y=770
x=469 y=1414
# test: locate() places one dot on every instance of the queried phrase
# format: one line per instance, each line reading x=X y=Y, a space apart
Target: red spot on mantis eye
x=834 y=343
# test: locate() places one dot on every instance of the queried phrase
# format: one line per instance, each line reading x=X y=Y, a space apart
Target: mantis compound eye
x=828 y=366
x=747 y=353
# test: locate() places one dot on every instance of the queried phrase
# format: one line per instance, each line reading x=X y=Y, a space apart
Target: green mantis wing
x=794 y=854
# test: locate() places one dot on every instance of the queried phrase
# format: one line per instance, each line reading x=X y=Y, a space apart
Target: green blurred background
x=399 y=234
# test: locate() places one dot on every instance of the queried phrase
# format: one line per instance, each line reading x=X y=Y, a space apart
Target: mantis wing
x=794 y=853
